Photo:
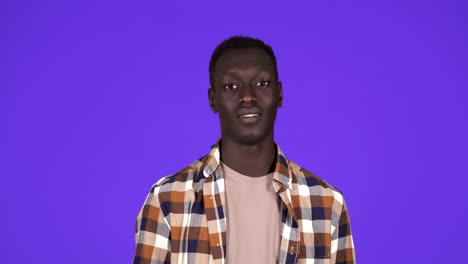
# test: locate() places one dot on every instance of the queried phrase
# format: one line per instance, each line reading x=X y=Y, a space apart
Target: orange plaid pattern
x=183 y=219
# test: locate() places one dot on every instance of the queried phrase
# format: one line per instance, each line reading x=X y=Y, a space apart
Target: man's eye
x=263 y=83
x=231 y=86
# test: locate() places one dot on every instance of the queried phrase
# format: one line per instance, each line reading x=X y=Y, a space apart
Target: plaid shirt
x=183 y=219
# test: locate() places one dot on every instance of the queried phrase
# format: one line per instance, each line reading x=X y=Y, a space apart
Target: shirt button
x=211 y=197
x=217 y=245
x=291 y=251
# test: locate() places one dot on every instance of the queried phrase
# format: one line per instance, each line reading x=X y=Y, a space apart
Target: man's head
x=245 y=90
x=239 y=42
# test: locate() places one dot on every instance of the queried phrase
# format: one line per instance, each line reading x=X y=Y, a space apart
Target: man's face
x=246 y=95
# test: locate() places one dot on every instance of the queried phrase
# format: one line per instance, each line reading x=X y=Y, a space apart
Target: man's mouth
x=249 y=115
x=249 y=118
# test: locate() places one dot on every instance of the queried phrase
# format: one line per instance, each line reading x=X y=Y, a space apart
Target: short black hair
x=239 y=42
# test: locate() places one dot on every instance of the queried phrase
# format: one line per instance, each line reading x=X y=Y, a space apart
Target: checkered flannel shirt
x=183 y=219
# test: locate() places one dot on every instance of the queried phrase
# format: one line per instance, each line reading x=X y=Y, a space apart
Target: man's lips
x=249 y=112
x=249 y=115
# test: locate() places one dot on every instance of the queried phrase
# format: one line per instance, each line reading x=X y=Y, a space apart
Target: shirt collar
x=282 y=173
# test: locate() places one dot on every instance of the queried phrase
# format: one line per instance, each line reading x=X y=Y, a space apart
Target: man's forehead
x=242 y=71
x=236 y=59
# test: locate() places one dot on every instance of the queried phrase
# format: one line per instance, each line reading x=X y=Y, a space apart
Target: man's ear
x=211 y=99
x=280 y=95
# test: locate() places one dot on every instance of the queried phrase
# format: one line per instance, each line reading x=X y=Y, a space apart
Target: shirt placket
x=214 y=206
x=290 y=231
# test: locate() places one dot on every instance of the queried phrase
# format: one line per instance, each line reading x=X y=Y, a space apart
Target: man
x=245 y=202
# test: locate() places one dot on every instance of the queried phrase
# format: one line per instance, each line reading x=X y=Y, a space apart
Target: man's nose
x=247 y=94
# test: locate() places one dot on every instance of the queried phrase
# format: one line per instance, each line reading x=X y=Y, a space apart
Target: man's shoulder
x=183 y=180
x=315 y=184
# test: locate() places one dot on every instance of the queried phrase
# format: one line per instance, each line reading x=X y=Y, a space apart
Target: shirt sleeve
x=343 y=239
x=152 y=233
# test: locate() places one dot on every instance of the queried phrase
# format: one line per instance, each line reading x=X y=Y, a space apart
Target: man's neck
x=251 y=160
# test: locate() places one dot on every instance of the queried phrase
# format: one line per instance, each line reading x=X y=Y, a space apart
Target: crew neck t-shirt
x=253 y=218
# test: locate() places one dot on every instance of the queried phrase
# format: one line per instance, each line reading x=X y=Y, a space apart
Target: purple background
x=99 y=99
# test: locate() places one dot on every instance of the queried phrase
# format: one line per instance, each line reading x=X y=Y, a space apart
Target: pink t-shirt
x=253 y=218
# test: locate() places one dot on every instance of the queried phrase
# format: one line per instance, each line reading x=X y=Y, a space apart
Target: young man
x=244 y=202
